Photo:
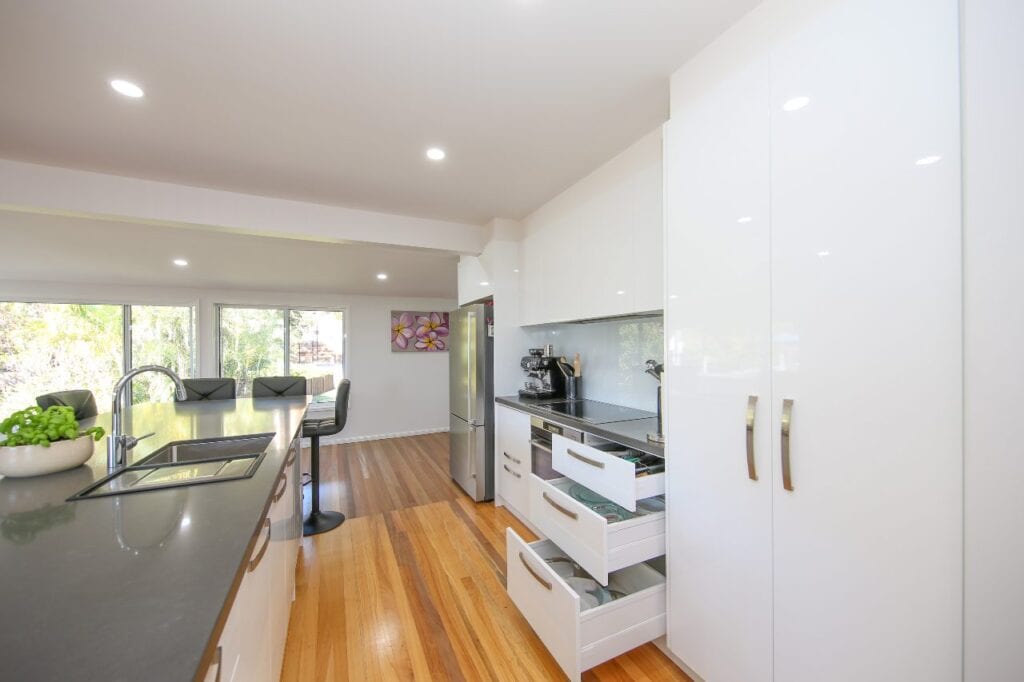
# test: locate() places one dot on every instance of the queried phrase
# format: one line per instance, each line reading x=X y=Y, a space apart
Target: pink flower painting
x=419 y=332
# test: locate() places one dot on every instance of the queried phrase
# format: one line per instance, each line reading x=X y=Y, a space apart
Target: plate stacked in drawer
x=581 y=637
x=601 y=540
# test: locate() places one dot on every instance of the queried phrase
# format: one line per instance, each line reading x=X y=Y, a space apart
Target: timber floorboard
x=412 y=585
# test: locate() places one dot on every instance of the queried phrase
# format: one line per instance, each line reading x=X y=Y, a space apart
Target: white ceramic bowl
x=35 y=460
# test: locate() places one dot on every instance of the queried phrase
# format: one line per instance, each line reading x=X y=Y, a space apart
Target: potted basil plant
x=35 y=441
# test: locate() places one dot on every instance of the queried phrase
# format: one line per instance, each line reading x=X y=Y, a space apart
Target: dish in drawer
x=602 y=506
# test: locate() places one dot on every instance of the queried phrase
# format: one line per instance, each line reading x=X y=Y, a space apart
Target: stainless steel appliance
x=471 y=396
x=540 y=444
x=596 y=412
x=543 y=380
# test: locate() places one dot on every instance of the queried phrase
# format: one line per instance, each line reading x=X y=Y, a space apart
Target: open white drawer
x=604 y=473
x=580 y=640
x=587 y=537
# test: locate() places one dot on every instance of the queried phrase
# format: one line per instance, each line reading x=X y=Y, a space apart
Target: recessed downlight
x=796 y=103
x=436 y=154
x=127 y=88
x=744 y=219
x=382 y=276
x=485 y=284
x=620 y=292
x=928 y=160
x=180 y=262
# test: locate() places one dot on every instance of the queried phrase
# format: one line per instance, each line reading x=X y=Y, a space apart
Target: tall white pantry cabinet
x=814 y=346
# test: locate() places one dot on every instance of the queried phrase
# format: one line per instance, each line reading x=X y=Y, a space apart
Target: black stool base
x=321 y=522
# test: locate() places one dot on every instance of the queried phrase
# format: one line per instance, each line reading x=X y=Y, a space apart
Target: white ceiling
x=335 y=101
x=38 y=247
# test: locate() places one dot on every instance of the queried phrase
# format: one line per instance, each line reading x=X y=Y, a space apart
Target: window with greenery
x=47 y=347
x=258 y=342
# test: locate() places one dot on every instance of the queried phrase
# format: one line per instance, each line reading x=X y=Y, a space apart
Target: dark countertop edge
x=608 y=431
x=206 y=660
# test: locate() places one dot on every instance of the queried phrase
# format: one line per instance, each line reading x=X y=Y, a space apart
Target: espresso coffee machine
x=543 y=378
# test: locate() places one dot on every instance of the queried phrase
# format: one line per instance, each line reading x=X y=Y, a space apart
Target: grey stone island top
x=631 y=433
x=136 y=586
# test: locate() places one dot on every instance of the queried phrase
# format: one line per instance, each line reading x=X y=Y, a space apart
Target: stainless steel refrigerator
x=471 y=395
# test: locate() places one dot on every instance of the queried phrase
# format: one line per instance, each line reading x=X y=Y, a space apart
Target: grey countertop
x=632 y=433
x=132 y=587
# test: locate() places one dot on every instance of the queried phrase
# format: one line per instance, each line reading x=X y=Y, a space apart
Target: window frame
x=285 y=320
x=126 y=321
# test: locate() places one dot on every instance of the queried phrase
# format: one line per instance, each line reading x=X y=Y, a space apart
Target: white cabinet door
x=278 y=558
x=717 y=324
x=513 y=459
x=648 y=246
x=531 y=279
x=245 y=641
x=866 y=290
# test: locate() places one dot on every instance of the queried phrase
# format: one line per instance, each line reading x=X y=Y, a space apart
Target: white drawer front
x=587 y=537
x=604 y=473
x=514 y=486
x=549 y=605
x=513 y=436
x=579 y=640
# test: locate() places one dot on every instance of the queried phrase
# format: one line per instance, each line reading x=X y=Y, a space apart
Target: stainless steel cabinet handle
x=751 y=413
x=540 y=446
x=517 y=475
x=508 y=456
x=217 y=659
x=787 y=419
x=291 y=458
x=585 y=460
x=284 y=486
x=571 y=514
x=255 y=561
x=545 y=583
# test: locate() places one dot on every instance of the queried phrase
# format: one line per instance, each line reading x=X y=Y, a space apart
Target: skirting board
x=340 y=439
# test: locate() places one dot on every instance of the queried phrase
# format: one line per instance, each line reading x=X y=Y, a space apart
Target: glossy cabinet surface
x=595 y=250
x=512 y=457
x=866 y=327
x=813 y=250
x=718 y=343
x=253 y=640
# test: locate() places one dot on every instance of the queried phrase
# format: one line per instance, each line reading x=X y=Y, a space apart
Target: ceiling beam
x=64 y=191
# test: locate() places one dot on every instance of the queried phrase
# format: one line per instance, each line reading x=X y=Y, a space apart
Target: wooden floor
x=412 y=586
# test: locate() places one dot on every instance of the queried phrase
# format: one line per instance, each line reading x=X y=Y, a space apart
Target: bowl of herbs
x=35 y=441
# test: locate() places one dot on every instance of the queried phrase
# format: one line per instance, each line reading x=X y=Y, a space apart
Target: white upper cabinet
x=596 y=249
x=813 y=253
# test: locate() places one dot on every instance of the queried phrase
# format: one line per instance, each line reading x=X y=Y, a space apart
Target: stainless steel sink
x=186 y=462
x=183 y=451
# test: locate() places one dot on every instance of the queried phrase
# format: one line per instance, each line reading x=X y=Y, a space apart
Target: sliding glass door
x=257 y=342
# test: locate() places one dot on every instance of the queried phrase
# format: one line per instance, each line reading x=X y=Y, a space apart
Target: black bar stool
x=217 y=388
x=82 y=401
x=320 y=521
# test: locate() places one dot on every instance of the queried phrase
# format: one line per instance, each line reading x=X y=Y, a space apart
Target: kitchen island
x=138 y=586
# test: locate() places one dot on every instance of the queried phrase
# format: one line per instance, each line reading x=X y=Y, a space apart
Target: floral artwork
x=415 y=332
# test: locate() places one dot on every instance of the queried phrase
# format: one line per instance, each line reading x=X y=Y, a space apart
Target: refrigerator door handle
x=470 y=328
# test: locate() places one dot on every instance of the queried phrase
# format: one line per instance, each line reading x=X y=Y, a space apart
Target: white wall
x=612 y=354
x=993 y=61
x=392 y=393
